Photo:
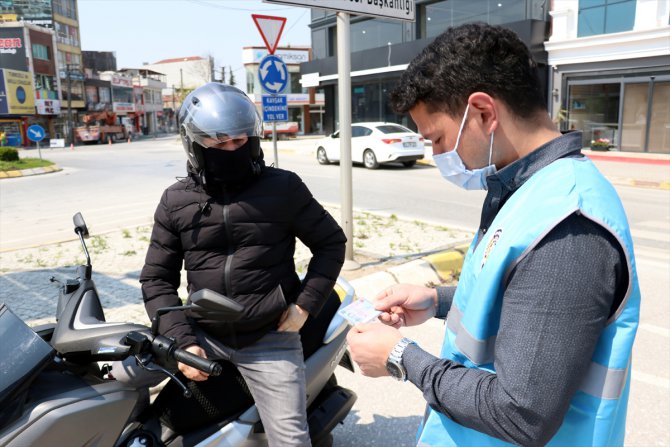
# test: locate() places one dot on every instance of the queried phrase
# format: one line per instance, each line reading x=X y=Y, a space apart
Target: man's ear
x=485 y=109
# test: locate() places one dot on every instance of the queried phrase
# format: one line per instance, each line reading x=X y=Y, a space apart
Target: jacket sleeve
x=317 y=229
x=160 y=276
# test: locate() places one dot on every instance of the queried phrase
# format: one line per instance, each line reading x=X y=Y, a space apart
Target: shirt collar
x=512 y=176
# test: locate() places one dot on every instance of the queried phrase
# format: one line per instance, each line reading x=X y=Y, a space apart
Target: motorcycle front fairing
x=23 y=355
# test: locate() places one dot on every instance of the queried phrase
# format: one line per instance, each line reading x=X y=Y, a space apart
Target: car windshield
x=393 y=128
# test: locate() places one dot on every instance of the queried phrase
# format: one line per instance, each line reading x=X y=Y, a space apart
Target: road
x=119 y=186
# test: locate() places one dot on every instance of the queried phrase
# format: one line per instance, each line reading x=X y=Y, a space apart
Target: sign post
x=36 y=133
x=273 y=74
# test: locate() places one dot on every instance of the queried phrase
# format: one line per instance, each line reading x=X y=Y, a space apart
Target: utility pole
x=174 y=109
x=223 y=74
x=70 y=128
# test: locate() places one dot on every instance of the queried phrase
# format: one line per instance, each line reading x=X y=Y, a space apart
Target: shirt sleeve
x=555 y=306
x=445 y=296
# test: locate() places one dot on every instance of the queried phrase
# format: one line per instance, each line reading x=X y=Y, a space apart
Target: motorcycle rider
x=233 y=222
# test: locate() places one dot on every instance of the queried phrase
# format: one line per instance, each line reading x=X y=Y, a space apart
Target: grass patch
x=24 y=163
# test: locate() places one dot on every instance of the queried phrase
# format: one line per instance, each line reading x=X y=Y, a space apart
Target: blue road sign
x=36 y=133
x=275 y=108
x=273 y=74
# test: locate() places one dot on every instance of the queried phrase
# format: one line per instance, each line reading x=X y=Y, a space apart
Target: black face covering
x=229 y=168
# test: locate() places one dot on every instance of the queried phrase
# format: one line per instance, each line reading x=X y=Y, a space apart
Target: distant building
x=29 y=84
x=182 y=75
x=148 y=86
x=99 y=61
x=611 y=71
x=381 y=49
x=304 y=106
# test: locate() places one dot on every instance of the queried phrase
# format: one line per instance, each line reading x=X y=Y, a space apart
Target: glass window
x=40 y=52
x=605 y=16
x=634 y=120
x=105 y=94
x=319 y=44
x=594 y=109
x=392 y=128
x=435 y=18
x=374 y=33
x=357 y=131
x=659 y=129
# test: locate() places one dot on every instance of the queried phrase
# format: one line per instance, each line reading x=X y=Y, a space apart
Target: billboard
x=16 y=93
x=37 y=12
x=387 y=9
x=13 y=49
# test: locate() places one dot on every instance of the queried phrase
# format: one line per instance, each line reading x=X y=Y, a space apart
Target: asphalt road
x=119 y=186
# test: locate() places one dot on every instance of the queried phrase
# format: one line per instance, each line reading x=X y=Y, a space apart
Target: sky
x=142 y=31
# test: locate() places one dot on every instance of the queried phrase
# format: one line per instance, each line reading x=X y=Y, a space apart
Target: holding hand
x=370 y=346
x=406 y=305
x=292 y=319
x=192 y=373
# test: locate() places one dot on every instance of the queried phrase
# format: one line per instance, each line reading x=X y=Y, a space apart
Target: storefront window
x=105 y=95
x=634 y=120
x=659 y=128
x=605 y=16
x=594 y=109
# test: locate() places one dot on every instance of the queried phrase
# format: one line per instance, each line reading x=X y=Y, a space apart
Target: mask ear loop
x=460 y=130
x=491 y=148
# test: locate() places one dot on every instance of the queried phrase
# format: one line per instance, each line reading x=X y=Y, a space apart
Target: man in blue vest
x=540 y=329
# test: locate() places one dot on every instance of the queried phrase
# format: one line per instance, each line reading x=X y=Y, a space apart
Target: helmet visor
x=217 y=116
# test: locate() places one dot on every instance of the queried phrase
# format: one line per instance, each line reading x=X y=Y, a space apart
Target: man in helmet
x=233 y=223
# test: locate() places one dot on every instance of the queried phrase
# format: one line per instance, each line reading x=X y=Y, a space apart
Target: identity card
x=360 y=311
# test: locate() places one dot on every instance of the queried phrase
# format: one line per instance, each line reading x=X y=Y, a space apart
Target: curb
x=430 y=270
x=622 y=181
x=29 y=172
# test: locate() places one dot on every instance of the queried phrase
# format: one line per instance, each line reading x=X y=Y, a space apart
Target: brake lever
x=145 y=364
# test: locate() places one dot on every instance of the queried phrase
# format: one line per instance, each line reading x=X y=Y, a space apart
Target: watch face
x=394 y=370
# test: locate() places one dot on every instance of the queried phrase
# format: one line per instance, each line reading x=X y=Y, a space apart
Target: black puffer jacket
x=241 y=244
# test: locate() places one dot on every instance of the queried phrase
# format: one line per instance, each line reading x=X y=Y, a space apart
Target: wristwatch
x=394 y=362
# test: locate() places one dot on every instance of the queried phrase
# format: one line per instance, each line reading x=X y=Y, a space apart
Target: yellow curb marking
x=446 y=264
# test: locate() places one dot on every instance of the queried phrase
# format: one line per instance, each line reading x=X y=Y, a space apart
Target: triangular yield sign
x=270 y=28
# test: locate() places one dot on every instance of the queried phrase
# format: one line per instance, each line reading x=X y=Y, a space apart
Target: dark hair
x=467 y=59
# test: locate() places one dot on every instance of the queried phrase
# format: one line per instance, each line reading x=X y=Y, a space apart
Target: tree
x=231 y=76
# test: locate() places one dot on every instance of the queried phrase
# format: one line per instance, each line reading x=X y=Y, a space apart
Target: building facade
x=30 y=83
x=610 y=77
x=62 y=17
x=305 y=107
x=381 y=49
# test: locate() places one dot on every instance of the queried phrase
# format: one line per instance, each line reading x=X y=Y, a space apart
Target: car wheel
x=370 y=159
x=321 y=156
x=409 y=164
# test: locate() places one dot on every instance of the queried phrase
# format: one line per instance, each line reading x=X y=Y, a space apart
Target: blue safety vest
x=597 y=412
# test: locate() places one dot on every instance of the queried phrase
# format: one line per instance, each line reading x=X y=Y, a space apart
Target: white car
x=373 y=144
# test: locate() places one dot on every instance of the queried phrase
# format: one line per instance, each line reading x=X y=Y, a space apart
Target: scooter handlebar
x=210 y=367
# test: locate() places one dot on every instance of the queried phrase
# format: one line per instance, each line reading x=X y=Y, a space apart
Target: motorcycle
x=57 y=384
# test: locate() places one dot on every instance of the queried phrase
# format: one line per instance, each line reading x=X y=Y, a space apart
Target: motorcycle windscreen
x=23 y=354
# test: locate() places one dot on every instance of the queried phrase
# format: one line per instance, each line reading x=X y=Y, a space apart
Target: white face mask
x=452 y=168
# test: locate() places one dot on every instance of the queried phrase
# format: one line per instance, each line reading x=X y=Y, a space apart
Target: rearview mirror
x=80 y=225
x=207 y=303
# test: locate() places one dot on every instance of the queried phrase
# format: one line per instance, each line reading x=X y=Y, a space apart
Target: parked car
x=373 y=144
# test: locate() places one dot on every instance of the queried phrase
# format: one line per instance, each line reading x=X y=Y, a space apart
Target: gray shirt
x=556 y=303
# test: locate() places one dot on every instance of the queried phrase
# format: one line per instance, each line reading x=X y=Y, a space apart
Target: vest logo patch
x=491 y=245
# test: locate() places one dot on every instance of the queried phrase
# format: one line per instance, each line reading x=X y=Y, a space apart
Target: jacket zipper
x=229 y=257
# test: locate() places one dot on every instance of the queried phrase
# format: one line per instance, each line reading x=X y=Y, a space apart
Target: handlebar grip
x=210 y=367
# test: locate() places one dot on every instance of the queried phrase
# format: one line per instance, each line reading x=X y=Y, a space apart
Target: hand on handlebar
x=406 y=305
x=192 y=373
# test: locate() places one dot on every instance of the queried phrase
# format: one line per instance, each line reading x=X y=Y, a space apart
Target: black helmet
x=215 y=113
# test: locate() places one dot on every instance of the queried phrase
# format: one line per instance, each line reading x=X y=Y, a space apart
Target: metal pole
x=39 y=151
x=274 y=142
x=174 y=109
x=70 y=129
x=344 y=100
